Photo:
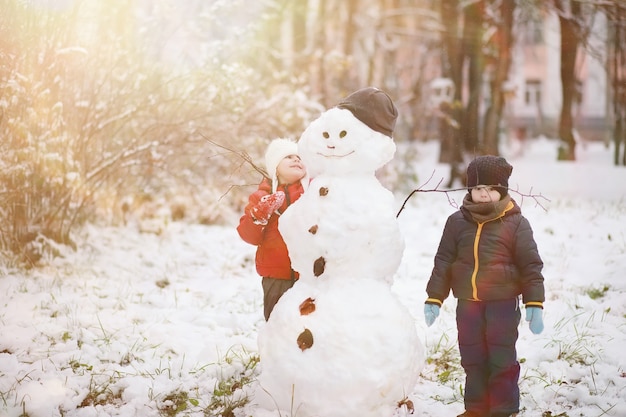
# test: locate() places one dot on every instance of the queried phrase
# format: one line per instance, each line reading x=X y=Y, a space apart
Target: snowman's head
x=352 y=138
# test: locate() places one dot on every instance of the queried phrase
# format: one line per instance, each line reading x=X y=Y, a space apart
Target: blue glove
x=431 y=312
x=534 y=317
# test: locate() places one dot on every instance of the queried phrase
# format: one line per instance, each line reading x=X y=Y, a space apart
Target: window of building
x=532 y=31
x=532 y=94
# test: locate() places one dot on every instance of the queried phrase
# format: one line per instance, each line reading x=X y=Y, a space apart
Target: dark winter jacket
x=493 y=260
x=272 y=257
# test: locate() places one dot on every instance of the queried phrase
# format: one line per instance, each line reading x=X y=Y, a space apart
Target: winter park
x=312 y=208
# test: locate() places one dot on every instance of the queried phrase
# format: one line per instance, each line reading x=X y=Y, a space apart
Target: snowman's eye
x=326 y=135
x=343 y=134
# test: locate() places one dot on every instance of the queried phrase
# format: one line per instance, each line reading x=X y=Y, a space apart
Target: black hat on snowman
x=373 y=107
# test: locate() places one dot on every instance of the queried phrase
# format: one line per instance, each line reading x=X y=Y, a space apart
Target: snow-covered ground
x=146 y=325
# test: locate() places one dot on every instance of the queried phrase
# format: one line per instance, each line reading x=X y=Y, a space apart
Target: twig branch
x=241 y=154
x=537 y=197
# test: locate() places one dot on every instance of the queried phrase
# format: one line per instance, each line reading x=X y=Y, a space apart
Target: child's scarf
x=483 y=212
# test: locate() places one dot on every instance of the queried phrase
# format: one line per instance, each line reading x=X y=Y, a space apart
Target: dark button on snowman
x=339 y=343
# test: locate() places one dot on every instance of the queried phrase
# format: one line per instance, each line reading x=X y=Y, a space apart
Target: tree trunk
x=318 y=52
x=570 y=40
x=349 y=30
x=616 y=63
x=451 y=61
x=472 y=36
x=451 y=58
x=503 y=44
x=298 y=22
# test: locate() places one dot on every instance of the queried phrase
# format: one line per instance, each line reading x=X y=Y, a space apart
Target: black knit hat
x=372 y=107
x=489 y=170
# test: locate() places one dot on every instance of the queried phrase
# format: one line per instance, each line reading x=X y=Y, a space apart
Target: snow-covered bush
x=98 y=127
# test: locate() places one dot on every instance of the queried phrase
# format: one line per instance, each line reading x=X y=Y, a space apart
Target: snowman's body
x=339 y=343
x=346 y=213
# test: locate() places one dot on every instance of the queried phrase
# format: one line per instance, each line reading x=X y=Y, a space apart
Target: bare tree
x=477 y=46
x=97 y=118
x=570 y=14
x=473 y=32
x=452 y=148
x=452 y=58
x=318 y=86
x=616 y=60
x=299 y=29
x=500 y=63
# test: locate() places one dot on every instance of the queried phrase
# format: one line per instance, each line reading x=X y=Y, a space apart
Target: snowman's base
x=362 y=354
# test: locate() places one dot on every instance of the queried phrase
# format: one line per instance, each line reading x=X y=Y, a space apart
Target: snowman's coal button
x=307 y=307
x=313 y=229
x=323 y=191
x=318 y=266
x=305 y=340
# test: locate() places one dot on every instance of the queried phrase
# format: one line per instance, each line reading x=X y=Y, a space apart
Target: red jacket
x=272 y=257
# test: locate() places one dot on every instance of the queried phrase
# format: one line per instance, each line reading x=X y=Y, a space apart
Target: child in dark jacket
x=488 y=258
x=259 y=223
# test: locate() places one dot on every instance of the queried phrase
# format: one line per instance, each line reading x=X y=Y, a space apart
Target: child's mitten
x=535 y=319
x=431 y=312
x=268 y=204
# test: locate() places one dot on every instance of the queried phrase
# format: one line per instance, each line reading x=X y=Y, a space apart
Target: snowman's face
x=339 y=143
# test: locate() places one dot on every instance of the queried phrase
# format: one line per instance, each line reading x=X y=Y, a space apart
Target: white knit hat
x=276 y=151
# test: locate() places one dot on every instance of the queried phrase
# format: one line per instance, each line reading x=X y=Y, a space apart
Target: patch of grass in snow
x=232 y=375
x=620 y=242
x=102 y=389
x=575 y=347
x=237 y=370
x=444 y=363
x=562 y=387
x=12 y=391
x=175 y=403
x=594 y=293
x=162 y=283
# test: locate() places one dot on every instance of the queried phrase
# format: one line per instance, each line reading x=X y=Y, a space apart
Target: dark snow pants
x=487 y=337
x=273 y=289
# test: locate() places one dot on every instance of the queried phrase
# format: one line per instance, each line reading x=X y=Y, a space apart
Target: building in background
x=534 y=105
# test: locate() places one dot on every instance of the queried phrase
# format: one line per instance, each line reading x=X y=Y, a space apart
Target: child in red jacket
x=259 y=223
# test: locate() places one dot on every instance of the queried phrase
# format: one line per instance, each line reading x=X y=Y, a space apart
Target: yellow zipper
x=475 y=273
x=476 y=240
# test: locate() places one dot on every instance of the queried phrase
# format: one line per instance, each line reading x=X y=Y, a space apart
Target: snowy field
x=143 y=325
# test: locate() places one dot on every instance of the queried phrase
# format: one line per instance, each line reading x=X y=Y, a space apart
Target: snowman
x=339 y=343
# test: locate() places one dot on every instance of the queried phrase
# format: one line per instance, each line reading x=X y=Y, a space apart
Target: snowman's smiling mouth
x=335 y=156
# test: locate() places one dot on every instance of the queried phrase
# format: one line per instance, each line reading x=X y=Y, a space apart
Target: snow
x=131 y=323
